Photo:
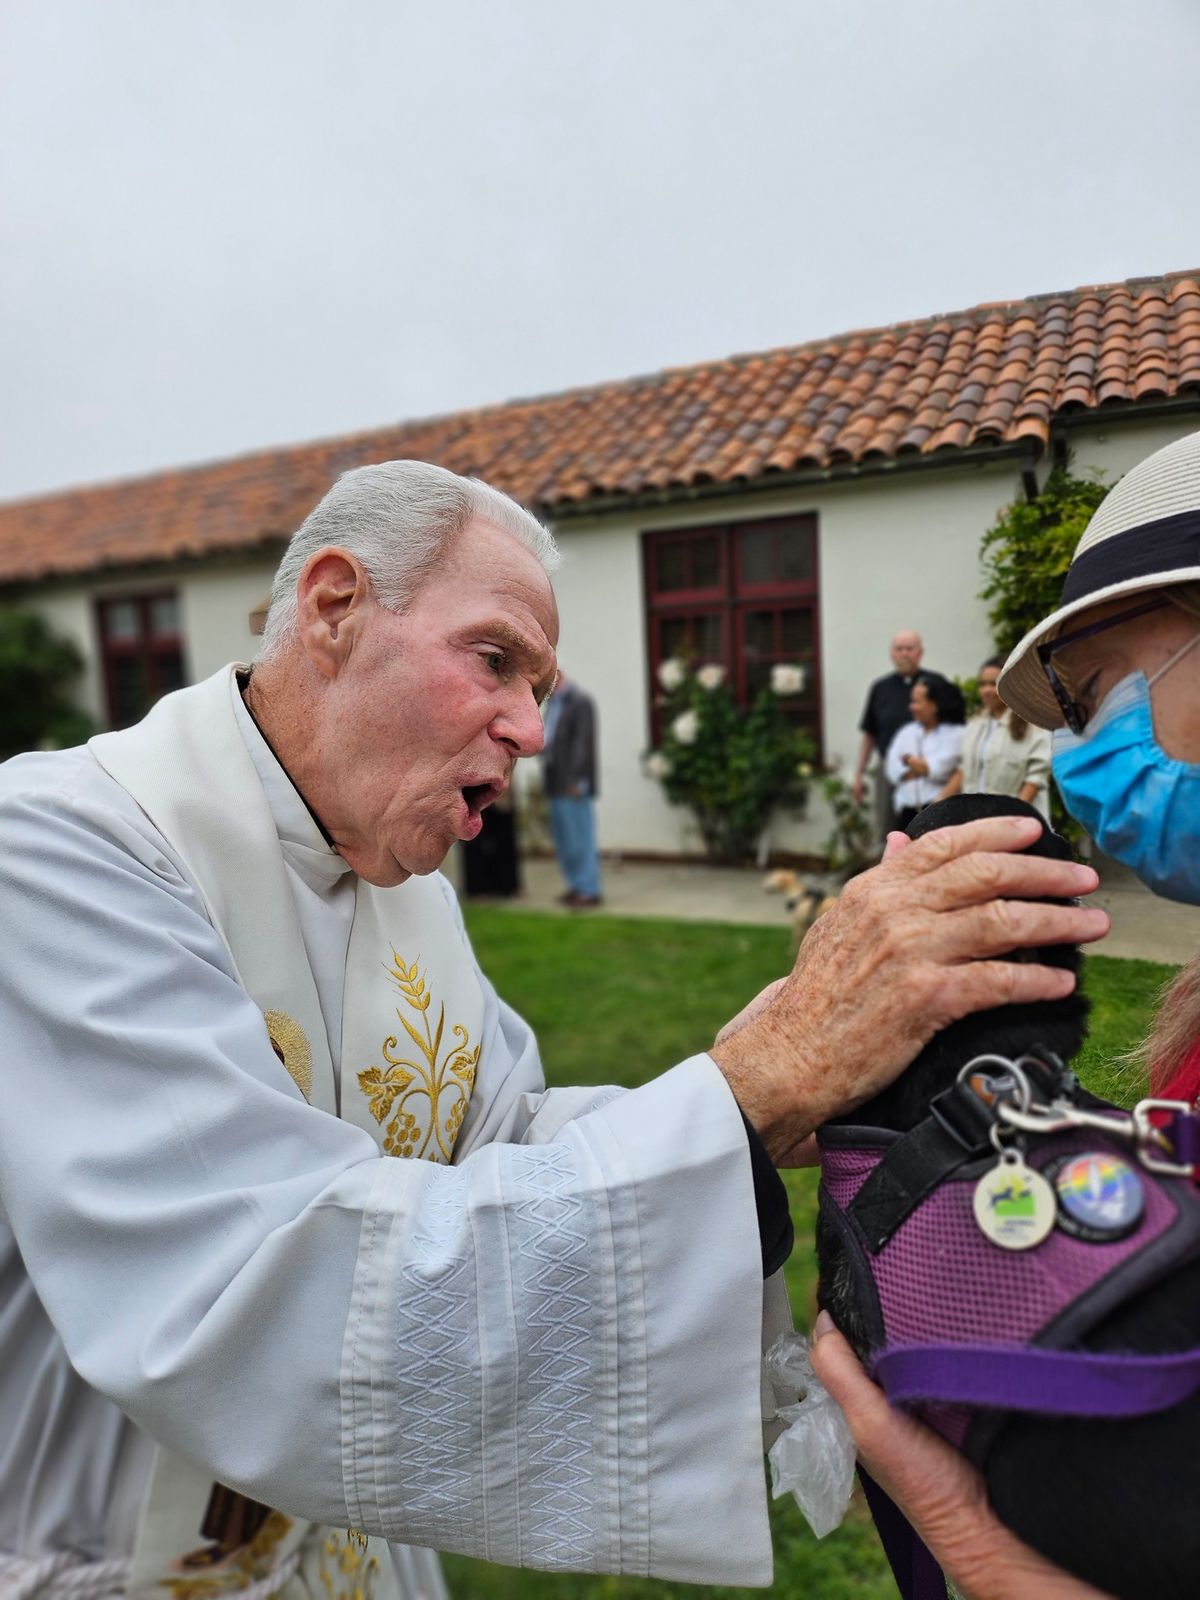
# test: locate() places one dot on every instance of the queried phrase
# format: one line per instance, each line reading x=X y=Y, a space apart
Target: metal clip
x=1149 y=1137
x=1060 y=1116
x=993 y=1093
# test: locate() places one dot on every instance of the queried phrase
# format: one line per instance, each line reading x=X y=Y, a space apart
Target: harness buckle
x=1150 y=1138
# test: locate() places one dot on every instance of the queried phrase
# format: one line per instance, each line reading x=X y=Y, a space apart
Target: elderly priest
x=304 y=1273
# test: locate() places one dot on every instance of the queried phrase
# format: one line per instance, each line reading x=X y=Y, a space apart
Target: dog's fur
x=1113 y=1501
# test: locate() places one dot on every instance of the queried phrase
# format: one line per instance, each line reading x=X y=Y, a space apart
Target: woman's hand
x=909 y=947
x=938 y=1490
x=917 y=766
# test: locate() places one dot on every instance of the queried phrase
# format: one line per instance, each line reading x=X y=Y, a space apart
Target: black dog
x=1114 y=1501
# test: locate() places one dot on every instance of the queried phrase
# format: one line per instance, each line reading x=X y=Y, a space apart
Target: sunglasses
x=1076 y=715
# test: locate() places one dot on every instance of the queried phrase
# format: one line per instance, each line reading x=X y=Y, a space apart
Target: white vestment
x=546 y=1354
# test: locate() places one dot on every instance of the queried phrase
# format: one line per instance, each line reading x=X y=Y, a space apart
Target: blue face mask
x=1140 y=805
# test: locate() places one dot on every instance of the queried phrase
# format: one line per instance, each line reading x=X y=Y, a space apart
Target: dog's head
x=1057 y=1025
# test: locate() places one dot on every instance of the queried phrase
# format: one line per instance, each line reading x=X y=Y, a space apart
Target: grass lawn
x=617 y=1001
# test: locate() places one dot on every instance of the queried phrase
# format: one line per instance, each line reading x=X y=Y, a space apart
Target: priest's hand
x=909 y=947
x=938 y=1490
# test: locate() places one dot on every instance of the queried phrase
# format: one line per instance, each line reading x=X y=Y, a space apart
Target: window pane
x=706 y=563
x=164 y=616
x=673 y=636
x=796 y=551
x=696 y=639
x=670 y=566
x=710 y=639
x=130 y=696
x=754 y=545
x=170 y=671
x=797 y=634
x=758 y=677
x=759 y=633
x=121 y=620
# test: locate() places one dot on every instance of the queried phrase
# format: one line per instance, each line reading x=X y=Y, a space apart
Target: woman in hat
x=1115 y=672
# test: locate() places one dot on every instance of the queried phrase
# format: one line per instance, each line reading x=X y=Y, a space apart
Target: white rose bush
x=731 y=768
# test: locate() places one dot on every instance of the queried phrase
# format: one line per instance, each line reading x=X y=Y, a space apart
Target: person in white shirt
x=1001 y=752
x=926 y=751
x=299 y=1259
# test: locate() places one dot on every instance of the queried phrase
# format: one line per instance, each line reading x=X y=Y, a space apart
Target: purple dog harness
x=988 y=1240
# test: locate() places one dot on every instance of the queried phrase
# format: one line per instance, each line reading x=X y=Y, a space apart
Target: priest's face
x=423 y=724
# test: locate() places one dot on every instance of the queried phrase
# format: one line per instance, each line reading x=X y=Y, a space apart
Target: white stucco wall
x=1110 y=449
x=894 y=552
x=903 y=552
x=214 y=606
x=216 y=615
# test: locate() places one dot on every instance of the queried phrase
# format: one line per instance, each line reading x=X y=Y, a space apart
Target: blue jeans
x=573 y=823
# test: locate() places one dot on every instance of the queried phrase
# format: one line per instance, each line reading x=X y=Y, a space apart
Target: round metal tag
x=1014 y=1206
x=1100 y=1197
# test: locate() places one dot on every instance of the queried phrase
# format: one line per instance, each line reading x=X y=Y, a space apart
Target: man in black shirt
x=884 y=714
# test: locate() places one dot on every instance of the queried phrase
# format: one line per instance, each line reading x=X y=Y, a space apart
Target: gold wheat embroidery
x=444 y=1081
x=355 y=1572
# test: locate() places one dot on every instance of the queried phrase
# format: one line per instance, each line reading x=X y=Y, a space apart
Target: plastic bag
x=813 y=1458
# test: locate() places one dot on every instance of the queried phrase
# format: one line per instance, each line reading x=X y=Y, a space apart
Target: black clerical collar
x=243 y=683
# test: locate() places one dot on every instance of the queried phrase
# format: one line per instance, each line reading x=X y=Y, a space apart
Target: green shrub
x=731 y=768
x=1025 y=557
x=1026 y=553
x=37 y=671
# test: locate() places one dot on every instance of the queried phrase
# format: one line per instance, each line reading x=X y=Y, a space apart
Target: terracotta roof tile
x=986 y=378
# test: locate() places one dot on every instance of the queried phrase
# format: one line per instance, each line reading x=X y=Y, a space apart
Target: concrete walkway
x=1143 y=925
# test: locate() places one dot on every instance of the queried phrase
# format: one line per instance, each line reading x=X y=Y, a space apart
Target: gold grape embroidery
x=354 y=1571
x=400 y=1091
x=247 y=1564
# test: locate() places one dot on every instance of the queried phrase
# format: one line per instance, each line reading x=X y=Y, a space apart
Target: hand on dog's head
x=1107 y=1498
x=1057 y=1025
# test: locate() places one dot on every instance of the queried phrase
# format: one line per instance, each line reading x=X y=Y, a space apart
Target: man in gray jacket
x=569 y=779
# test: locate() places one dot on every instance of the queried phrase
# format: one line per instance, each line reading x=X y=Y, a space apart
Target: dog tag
x=1014 y=1206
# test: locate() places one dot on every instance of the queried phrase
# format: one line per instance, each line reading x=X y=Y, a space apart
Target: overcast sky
x=226 y=224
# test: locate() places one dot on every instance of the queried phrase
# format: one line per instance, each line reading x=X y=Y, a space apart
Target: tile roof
x=989 y=378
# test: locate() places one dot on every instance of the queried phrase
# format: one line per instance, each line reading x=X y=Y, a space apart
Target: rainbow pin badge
x=1100 y=1197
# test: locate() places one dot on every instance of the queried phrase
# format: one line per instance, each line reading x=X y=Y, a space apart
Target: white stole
x=411 y=1027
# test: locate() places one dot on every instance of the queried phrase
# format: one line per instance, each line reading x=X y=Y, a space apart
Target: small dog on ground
x=804 y=899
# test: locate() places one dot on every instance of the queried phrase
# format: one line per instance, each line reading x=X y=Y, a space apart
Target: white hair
x=400 y=518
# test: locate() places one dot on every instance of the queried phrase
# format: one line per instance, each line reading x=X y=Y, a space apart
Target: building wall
x=898 y=551
x=214 y=604
x=1108 y=450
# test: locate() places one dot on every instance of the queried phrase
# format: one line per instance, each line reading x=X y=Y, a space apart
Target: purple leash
x=1067 y=1383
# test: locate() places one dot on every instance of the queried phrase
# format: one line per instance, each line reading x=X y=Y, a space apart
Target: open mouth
x=479 y=795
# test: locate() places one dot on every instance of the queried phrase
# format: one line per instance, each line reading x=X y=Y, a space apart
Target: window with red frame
x=141 y=650
x=743 y=594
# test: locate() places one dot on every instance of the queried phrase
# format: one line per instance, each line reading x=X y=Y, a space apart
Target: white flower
x=658 y=765
x=711 y=677
x=786 y=679
x=672 y=673
x=804 y=770
x=686 y=726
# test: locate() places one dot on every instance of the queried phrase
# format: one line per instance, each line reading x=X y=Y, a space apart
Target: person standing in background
x=927 y=750
x=885 y=713
x=569 y=779
x=1001 y=753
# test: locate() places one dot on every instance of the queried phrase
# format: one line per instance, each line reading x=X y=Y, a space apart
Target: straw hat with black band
x=1144 y=536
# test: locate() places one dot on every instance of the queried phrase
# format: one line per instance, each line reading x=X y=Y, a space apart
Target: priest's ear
x=332 y=595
